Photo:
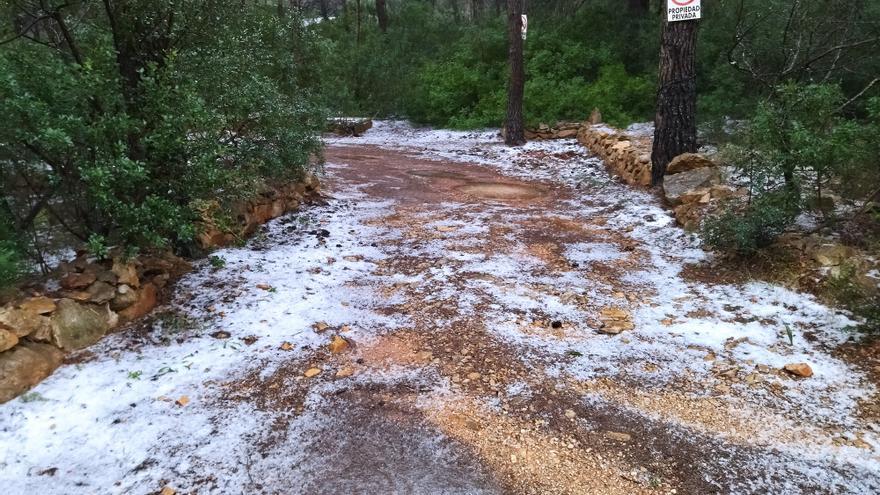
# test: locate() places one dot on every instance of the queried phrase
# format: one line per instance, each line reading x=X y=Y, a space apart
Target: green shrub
x=744 y=232
x=125 y=152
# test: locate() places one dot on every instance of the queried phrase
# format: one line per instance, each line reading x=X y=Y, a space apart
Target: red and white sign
x=683 y=10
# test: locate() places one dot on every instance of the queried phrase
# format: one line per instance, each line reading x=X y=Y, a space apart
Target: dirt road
x=502 y=321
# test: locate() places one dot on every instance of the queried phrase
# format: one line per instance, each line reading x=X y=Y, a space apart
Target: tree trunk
x=675 y=125
x=325 y=14
x=476 y=9
x=382 y=15
x=514 y=129
x=358 y=31
x=639 y=7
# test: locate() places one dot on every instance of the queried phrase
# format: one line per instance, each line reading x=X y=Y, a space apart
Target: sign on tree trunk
x=683 y=10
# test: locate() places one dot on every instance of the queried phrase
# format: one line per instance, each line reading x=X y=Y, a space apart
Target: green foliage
x=796 y=146
x=135 y=120
x=455 y=74
x=217 y=262
x=845 y=289
x=744 y=232
x=11 y=266
x=97 y=246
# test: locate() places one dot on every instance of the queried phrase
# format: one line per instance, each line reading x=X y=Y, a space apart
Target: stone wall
x=90 y=297
x=626 y=155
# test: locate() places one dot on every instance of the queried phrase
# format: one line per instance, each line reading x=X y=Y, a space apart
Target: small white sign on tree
x=683 y=10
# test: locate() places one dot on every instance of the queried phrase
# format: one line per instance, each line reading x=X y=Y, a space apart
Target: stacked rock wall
x=91 y=297
x=627 y=156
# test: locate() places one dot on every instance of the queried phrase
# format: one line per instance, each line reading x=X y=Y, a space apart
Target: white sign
x=682 y=10
x=525 y=25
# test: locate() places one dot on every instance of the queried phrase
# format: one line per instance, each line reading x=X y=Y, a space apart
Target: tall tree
x=382 y=15
x=675 y=124
x=514 y=128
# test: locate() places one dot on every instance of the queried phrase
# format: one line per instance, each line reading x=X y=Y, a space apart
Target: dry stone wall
x=92 y=297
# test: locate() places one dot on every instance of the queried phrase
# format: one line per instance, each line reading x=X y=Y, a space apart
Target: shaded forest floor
x=459 y=317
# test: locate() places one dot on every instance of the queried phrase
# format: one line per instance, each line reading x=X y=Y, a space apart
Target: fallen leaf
x=338 y=344
x=183 y=400
x=167 y=490
x=312 y=372
x=264 y=286
x=286 y=346
x=320 y=326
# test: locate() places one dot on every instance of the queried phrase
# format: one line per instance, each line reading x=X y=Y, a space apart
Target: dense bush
x=796 y=147
x=455 y=74
x=743 y=231
x=118 y=123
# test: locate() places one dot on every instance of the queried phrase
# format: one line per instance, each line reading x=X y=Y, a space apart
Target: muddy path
x=458 y=318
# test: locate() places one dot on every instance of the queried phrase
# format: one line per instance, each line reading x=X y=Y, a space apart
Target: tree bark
x=675 y=124
x=382 y=15
x=325 y=13
x=514 y=128
x=639 y=7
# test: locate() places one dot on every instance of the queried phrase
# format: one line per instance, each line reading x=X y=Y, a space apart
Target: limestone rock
x=40 y=305
x=146 y=301
x=74 y=281
x=24 y=366
x=101 y=292
x=568 y=133
x=75 y=325
x=802 y=370
x=686 y=162
x=678 y=185
x=125 y=297
x=8 y=340
x=311 y=372
x=618 y=436
x=338 y=344
x=23 y=322
x=832 y=254
x=126 y=273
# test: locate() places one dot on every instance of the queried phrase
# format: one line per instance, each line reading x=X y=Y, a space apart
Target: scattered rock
x=615 y=320
x=167 y=490
x=320 y=326
x=802 y=370
x=618 y=436
x=221 y=335
x=182 y=401
x=311 y=372
x=76 y=325
x=345 y=372
x=338 y=344
x=686 y=162
x=473 y=376
x=26 y=365
x=570 y=414
x=286 y=346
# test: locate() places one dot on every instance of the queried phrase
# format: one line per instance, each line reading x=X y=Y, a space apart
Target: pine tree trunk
x=639 y=7
x=514 y=128
x=325 y=14
x=675 y=125
x=382 y=15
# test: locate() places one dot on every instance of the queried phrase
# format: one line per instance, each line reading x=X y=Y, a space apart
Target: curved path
x=503 y=321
